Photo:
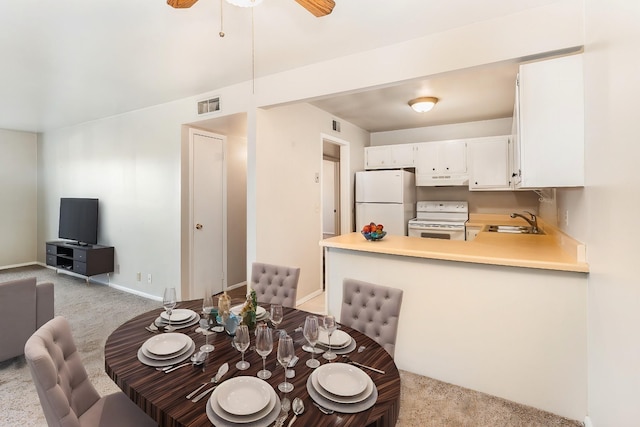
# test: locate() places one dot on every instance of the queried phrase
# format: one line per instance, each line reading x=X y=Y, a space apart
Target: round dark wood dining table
x=163 y=396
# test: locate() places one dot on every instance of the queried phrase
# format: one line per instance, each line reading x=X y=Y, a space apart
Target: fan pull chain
x=221 y=33
x=253 y=55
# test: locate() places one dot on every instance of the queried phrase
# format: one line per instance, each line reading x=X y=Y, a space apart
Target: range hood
x=424 y=180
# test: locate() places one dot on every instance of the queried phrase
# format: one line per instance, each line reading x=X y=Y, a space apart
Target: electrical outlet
x=566 y=217
x=139 y=276
x=149 y=278
x=117 y=269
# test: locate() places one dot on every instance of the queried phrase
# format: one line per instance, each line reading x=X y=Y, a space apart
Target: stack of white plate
x=246 y=401
x=261 y=313
x=342 y=387
x=166 y=349
x=180 y=318
x=341 y=342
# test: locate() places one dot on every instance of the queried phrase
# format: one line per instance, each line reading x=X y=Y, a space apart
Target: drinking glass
x=241 y=342
x=264 y=346
x=330 y=326
x=285 y=354
x=311 y=333
x=276 y=315
x=205 y=325
x=169 y=303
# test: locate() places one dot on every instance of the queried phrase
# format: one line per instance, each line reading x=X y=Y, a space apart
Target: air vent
x=336 y=126
x=209 y=105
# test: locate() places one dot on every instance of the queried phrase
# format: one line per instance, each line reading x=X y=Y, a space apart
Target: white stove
x=440 y=220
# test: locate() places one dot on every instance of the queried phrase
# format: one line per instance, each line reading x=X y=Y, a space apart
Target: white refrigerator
x=386 y=197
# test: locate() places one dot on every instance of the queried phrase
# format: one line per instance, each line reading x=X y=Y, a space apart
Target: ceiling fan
x=316 y=7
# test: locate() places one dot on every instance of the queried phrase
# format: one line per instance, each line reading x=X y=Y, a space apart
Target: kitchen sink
x=513 y=229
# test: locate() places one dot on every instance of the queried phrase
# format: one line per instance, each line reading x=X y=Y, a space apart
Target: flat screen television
x=79 y=220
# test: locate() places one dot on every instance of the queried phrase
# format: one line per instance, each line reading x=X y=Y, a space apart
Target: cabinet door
x=402 y=155
x=489 y=166
x=452 y=157
x=551 y=132
x=427 y=158
x=472 y=233
x=378 y=157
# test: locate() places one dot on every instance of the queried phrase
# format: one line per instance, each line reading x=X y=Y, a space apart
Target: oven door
x=444 y=233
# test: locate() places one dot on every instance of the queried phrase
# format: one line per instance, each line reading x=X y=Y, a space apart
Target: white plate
x=179 y=315
x=338 y=338
x=243 y=395
x=166 y=344
x=341 y=399
x=342 y=379
x=267 y=420
x=170 y=356
x=214 y=402
x=160 y=321
x=159 y=363
x=260 y=311
x=339 y=350
x=345 y=408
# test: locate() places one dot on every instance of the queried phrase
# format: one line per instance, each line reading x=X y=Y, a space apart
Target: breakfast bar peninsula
x=503 y=314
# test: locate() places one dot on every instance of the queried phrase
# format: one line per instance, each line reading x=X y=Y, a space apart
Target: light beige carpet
x=94 y=311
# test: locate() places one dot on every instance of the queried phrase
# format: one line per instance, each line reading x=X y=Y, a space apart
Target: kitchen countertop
x=552 y=251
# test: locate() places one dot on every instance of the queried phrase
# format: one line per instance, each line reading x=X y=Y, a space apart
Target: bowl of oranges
x=373 y=231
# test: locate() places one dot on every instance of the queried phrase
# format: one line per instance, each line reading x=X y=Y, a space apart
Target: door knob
x=199 y=226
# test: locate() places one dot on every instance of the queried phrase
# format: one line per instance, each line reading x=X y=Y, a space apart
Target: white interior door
x=329 y=206
x=208 y=219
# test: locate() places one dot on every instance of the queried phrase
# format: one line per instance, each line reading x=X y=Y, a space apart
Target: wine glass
x=311 y=333
x=285 y=354
x=169 y=302
x=276 y=315
x=205 y=325
x=264 y=346
x=241 y=342
x=330 y=326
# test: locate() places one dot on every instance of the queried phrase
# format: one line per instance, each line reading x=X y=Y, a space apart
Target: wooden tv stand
x=86 y=260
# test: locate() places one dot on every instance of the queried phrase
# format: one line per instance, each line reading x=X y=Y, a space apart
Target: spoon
x=298 y=409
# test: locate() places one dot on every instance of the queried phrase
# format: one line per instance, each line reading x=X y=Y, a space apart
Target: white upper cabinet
x=550 y=123
x=441 y=163
x=489 y=163
x=389 y=156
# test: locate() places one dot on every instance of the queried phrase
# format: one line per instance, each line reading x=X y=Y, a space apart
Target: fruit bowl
x=374 y=235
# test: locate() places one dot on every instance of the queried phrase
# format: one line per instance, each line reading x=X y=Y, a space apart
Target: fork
x=214 y=379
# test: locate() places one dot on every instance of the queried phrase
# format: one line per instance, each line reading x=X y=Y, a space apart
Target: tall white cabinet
x=550 y=123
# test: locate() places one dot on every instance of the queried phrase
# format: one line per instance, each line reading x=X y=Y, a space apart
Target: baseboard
x=587 y=422
x=134 y=292
x=237 y=285
x=25 y=264
x=309 y=297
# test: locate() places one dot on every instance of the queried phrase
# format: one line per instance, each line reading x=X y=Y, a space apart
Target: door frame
x=345 y=182
x=191 y=222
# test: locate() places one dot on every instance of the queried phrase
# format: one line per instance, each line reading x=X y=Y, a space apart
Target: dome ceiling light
x=423 y=104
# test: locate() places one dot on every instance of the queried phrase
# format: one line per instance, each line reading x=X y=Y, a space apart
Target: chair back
x=60 y=378
x=275 y=284
x=373 y=310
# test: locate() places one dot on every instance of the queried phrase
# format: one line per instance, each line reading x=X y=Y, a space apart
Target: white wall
x=18 y=197
x=599 y=215
x=289 y=155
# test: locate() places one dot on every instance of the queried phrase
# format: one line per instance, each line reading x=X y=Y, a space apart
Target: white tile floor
x=315 y=305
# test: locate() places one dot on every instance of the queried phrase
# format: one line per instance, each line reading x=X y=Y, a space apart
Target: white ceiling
x=69 y=61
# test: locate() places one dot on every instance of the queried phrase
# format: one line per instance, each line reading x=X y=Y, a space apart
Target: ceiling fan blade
x=181 y=4
x=318 y=7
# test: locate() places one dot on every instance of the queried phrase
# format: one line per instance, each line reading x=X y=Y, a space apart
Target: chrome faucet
x=533 y=222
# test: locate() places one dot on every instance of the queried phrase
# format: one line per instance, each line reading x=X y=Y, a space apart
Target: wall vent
x=336 y=126
x=209 y=105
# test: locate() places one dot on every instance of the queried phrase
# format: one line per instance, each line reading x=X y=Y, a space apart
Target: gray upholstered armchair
x=66 y=394
x=373 y=310
x=275 y=284
x=24 y=307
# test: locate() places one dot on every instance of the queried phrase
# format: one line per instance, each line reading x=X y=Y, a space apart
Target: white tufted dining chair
x=275 y=284
x=67 y=396
x=373 y=310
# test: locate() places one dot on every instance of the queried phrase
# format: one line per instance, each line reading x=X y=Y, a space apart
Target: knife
x=223 y=370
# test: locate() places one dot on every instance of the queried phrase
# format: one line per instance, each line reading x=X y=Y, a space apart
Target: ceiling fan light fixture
x=423 y=104
x=244 y=3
